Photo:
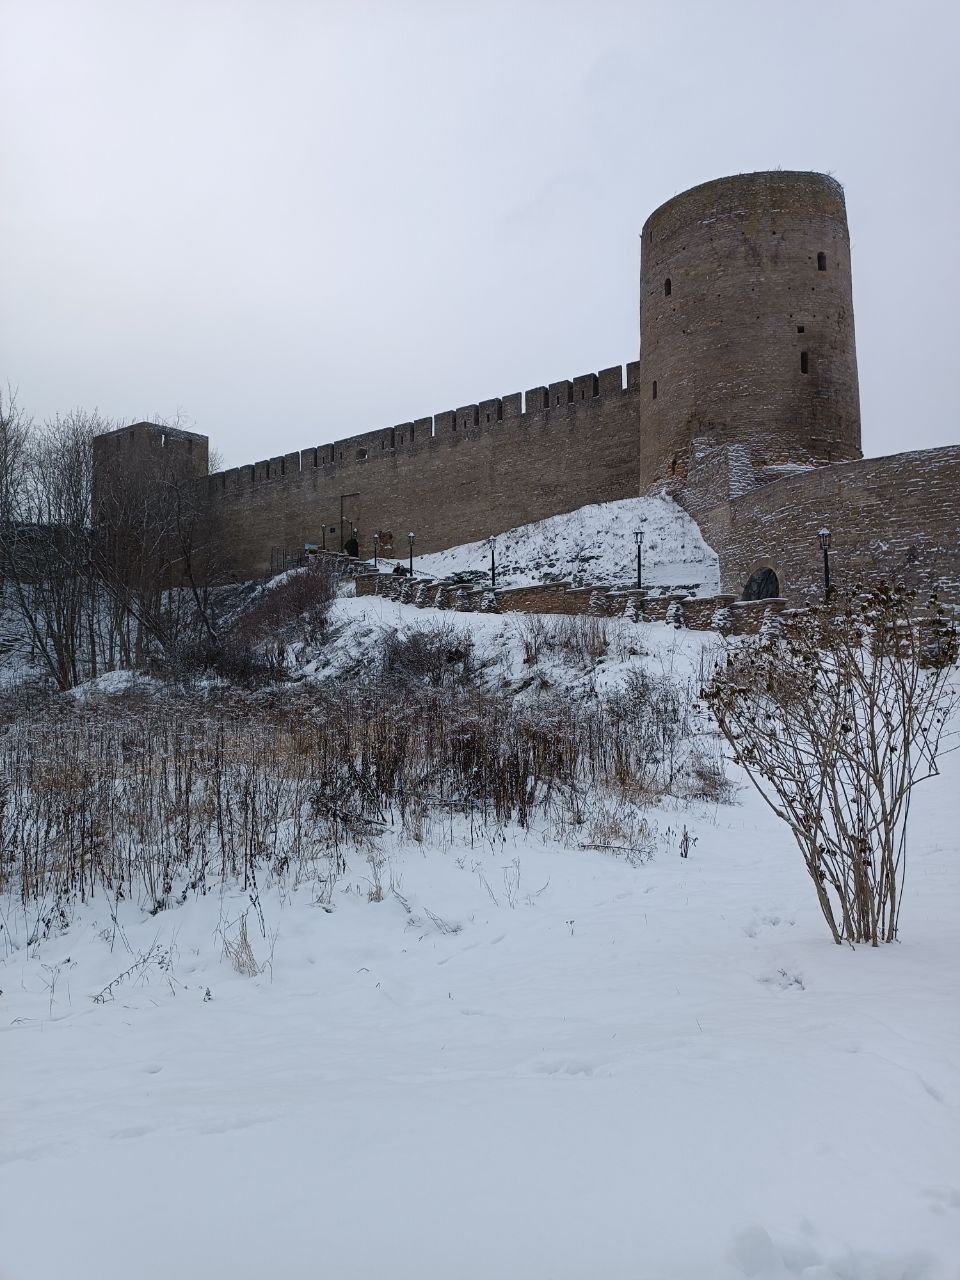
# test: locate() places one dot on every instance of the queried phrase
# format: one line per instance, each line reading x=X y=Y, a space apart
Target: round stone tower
x=748 y=363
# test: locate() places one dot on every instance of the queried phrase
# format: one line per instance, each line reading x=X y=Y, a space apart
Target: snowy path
x=620 y=1076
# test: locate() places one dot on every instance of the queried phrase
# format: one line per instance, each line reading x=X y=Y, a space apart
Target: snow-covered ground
x=527 y=1060
x=595 y=543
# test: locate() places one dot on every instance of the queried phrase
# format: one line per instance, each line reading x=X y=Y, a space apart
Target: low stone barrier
x=722 y=613
x=550 y=597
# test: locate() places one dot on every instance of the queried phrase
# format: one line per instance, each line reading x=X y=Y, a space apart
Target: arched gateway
x=763 y=584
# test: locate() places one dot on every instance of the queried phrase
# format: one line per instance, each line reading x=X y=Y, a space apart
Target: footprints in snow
x=753 y=927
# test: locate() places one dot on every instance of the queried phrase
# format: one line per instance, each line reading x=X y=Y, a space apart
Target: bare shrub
x=435 y=654
x=647 y=734
x=155 y=795
x=578 y=639
x=582 y=639
x=834 y=720
x=534 y=634
x=620 y=828
x=228 y=658
x=239 y=951
x=246 y=641
x=707 y=779
x=376 y=862
x=294 y=606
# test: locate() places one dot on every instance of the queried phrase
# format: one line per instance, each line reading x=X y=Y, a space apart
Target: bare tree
x=14 y=436
x=45 y=545
x=108 y=564
x=834 y=721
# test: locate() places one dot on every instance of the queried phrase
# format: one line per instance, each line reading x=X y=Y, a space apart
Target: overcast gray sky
x=293 y=221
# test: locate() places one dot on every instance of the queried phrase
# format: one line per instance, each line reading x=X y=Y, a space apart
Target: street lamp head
x=410 y=537
x=638 y=534
x=376 y=537
x=824 y=538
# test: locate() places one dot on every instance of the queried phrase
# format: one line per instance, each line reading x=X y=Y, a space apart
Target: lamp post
x=376 y=549
x=410 y=539
x=493 y=564
x=638 y=534
x=824 y=539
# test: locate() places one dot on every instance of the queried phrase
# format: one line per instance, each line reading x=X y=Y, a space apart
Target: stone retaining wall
x=696 y=613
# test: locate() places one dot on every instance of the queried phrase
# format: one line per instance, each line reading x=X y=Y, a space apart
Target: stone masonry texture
x=895 y=518
x=747 y=325
x=457 y=477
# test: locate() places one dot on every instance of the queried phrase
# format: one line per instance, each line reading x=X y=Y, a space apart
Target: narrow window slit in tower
x=821 y=262
x=654 y=389
x=804 y=362
x=799 y=328
x=667 y=287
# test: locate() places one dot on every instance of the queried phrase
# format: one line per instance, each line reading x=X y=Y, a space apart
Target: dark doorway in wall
x=763 y=584
x=352 y=546
x=349 y=519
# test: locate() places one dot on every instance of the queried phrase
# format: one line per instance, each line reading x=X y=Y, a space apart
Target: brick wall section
x=458 y=477
x=896 y=518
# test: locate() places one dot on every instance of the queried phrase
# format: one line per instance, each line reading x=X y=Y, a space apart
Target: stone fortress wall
x=894 y=518
x=743 y=405
x=455 y=477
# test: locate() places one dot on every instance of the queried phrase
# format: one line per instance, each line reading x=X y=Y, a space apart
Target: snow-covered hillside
x=595 y=543
x=493 y=1053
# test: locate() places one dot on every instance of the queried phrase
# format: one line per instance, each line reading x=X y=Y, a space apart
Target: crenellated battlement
x=538 y=406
